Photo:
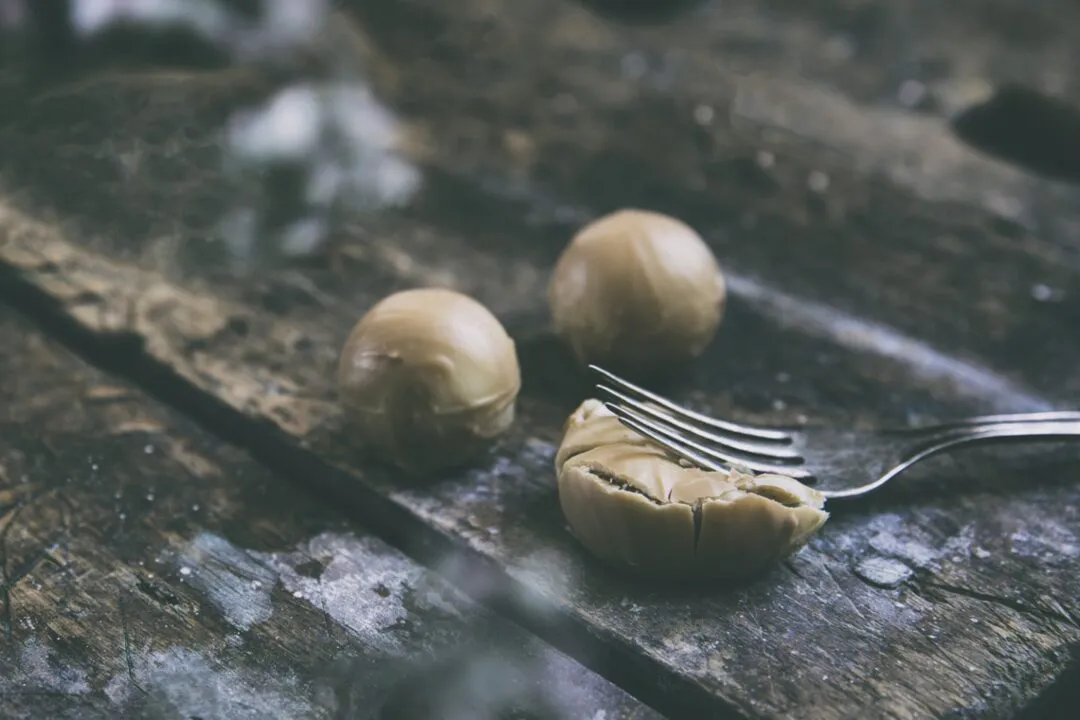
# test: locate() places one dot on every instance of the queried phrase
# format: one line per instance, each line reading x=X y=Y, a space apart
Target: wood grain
x=905 y=286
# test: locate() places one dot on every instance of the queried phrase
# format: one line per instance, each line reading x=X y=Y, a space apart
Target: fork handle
x=959 y=436
x=1054 y=416
x=1018 y=431
x=1032 y=428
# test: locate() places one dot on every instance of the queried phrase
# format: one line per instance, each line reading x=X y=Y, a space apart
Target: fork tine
x=745 y=430
x=669 y=444
x=769 y=449
x=697 y=453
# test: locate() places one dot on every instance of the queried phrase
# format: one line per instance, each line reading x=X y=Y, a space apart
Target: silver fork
x=852 y=462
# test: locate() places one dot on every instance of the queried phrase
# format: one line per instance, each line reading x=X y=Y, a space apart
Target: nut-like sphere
x=637 y=509
x=429 y=378
x=637 y=292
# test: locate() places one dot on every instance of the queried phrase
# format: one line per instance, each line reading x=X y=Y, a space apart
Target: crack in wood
x=1057 y=615
x=129 y=658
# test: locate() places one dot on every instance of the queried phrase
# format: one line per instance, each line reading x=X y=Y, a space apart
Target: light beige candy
x=635 y=507
x=429 y=378
x=636 y=292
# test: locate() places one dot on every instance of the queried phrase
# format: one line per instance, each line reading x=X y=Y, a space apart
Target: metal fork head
x=702 y=440
x=859 y=462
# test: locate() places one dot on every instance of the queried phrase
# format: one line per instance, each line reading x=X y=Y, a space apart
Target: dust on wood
x=955 y=592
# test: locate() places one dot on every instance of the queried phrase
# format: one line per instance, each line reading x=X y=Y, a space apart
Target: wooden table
x=882 y=269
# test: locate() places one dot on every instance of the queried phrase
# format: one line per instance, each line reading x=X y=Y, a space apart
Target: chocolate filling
x=621 y=484
x=697 y=513
x=695 y=508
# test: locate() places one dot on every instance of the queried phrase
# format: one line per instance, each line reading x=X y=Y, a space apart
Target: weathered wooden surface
x=881 y=270
x=150 y=571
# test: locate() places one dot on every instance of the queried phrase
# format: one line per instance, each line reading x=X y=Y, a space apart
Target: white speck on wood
x=361 y=586
x=36 y=671
x=883 y=572
x=234 y=582
x=182 y=683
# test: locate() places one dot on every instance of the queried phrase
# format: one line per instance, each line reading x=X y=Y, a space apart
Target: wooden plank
x=151 y=571
x=936 y=602
x=955 y=593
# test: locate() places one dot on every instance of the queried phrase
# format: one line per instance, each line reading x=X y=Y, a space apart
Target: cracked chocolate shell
x=429 y=378
x=637 y=292
x=637 y=508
